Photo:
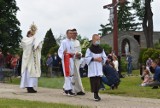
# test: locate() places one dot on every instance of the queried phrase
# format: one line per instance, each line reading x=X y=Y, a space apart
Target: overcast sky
x=60 y=15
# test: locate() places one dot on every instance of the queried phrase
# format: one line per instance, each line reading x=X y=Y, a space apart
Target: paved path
x=55 y=96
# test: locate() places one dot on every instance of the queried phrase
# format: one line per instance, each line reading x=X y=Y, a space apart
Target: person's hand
x=98 y=59
x=72 y=54
x=78 y=55
x=65 y=51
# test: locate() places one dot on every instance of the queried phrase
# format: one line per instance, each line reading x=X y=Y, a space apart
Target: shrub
x=84 y=51
x=147 y=54
x=157 y=45
x=106 y=48
x=123 y=64
x=155 y=55
x=142 y=50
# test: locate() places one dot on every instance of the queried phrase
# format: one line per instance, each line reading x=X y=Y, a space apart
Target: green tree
x=106 y=48
x=10 y=33
x=126 y=18
x=139 y=10
x=105 y=29
x=54 y=49
x=79 y=37
x=49 y=42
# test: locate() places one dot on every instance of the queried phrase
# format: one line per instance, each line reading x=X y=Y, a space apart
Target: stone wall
x=134 y=44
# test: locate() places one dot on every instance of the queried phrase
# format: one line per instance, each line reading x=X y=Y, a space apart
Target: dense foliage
x=49 y=42
x=10 y=33
x=148 y=53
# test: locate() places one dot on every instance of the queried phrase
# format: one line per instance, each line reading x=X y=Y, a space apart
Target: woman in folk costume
x=30 y=61
x=95 y=58
x=66 y=53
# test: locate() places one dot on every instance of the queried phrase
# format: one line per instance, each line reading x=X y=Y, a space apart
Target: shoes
x=81 y=93
x=116 y=87
x=155 y=87
x=65 y=92
x=70 y=93
x=31 y=90
x=121 y=76
x=112 y=87
x=99 y=98
x=96 y=97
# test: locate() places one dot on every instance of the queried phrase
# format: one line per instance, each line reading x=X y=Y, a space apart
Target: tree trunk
x=148 y=24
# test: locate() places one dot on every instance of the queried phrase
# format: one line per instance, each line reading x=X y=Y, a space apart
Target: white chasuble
x=31 y=69
x=31 y=56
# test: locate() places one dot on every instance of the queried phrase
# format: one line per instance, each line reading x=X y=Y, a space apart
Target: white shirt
x=115 y=62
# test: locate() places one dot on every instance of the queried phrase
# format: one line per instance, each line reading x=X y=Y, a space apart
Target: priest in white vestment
x=31 y=68
x=77 y=83
x=95 y=58
x=66 y=47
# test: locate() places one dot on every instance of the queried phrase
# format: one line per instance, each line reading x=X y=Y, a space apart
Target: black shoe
x=81 y=93
x=112 y=87
x=31 y=90
x=116 y=87
x=96 y=97
x=121 y=76
x=99 y=98
x=155 y=87
x=70 y=93
x=65 y=92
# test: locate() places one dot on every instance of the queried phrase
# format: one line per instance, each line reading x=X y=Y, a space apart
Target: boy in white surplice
x=95 y=58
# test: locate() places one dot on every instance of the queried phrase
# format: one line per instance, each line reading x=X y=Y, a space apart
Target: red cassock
x=67 y=57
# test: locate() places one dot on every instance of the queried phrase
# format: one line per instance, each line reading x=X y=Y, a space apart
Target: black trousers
x=95 y=83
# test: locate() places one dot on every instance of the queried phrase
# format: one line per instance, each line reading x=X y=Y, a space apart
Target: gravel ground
x=56 y=96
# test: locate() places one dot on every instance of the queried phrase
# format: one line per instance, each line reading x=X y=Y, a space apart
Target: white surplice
x=67 y=45
x=77 y=83
x=31 y=69
x=94 y=67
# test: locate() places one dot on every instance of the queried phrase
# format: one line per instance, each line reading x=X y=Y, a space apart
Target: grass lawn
x=129 y=86
x=15 y=103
